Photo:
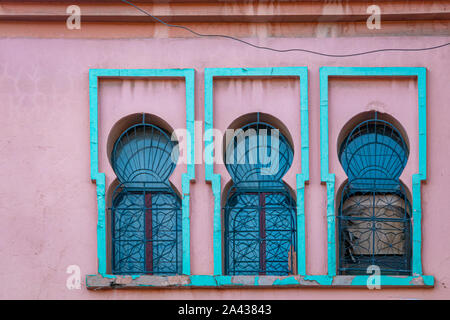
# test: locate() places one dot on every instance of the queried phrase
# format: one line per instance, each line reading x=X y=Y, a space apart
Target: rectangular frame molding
x=99 y=178
x=329 y=178
x=301 y=178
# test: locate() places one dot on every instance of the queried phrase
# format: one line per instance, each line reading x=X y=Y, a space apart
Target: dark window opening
x=374 y=218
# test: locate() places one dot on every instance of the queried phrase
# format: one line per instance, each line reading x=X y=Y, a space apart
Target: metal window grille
x=146 y=212
x=260 y=213
x=374 y=217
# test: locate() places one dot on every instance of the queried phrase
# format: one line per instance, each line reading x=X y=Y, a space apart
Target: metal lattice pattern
x=144 y=153
x=260 y=233
x=374 y=152
x=374 y=215
x=260 y=213
x=146 y=232
x=145 y=212
x=375 y=229
x=258 y=153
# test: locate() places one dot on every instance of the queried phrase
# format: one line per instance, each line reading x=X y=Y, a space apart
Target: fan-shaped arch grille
x=374 y=150
x=374 y=213
x=259 y=215
x=258 y=152
x=144 y=153
x=145 y=212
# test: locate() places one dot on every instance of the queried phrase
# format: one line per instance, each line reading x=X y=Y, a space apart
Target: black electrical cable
x=283 y=50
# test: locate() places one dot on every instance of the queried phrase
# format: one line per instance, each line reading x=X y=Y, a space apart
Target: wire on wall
x=198 y=34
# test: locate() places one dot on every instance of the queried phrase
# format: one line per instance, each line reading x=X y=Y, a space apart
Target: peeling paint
x=94 y=282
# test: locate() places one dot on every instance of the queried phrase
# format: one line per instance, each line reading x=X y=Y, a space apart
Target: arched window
x=374 y=218
x=145 y=211
x=259 y=213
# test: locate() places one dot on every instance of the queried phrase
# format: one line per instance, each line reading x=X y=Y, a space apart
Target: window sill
x=95 y=282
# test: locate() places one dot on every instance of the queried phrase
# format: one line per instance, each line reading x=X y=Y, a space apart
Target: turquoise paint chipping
x=95 y=282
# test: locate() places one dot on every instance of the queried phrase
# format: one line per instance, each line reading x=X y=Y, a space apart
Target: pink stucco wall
x=48 y=205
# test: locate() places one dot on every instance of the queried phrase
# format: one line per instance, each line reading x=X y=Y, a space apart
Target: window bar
x=374 y=222
x=262 y=233
x=148 y=233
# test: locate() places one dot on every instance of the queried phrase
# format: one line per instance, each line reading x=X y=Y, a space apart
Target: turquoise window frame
x=99 y=177
x=301 y=178
x=218 y=280
x=329 y=178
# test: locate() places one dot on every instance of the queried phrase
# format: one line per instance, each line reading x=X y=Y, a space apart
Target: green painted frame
x=329 y=178
x=301 y=178
x=99 y=178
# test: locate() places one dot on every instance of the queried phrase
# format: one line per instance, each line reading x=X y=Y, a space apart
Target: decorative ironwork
x=258 y=153
x=146 y=211
x=374 y=218
x=144 y=153
x=260 y=213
